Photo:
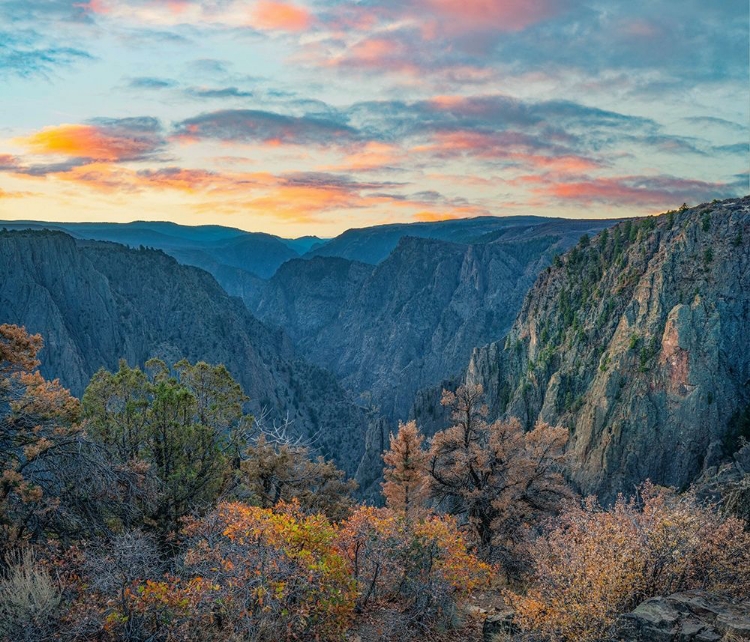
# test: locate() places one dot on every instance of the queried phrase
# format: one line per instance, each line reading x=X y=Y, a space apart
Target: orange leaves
x=36 y=417
x=18 y=349
x=423 y=564
x=499 y=478
x=463 y=571
x=275 y=569
x=298 y=575
x=405 y=487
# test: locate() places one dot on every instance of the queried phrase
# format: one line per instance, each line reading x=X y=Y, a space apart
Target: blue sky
x=311 y=117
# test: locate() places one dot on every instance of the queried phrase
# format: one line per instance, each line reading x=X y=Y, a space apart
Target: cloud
x=488 y=15
x=222 y=92
x=6 y=194
x=492 y=113
x=639 y=191
x=261 y=15
x=45 y=10
x=657 y=45
x=255 y=126
x=110 y=140
x=24 y=54
x=283 y=16
x=9 y=163
x=741 y=149
x=149 y=82
x=702 y=121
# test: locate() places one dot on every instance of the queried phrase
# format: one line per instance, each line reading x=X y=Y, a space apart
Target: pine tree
x=405 y=486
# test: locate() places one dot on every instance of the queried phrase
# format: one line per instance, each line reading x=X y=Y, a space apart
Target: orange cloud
x=372 y=155
x=5 y=194
x=282 y=16
x=88 y=141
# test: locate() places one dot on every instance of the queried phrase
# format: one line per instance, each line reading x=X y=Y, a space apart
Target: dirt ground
x=387 y=623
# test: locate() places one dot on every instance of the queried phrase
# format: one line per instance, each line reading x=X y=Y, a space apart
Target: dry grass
x=29 y=599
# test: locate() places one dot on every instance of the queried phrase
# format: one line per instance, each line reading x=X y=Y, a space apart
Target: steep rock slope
x=388 y=330
x=639 y=342
x=95 y=303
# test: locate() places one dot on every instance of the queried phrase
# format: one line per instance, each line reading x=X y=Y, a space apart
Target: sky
x=314 y=116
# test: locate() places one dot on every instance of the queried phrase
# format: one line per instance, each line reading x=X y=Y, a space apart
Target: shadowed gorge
x=96 y=303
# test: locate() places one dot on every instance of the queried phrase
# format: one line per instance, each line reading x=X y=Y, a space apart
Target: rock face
x=639 y=342
x=95 y=303
x=388 y=330
x=693 y=616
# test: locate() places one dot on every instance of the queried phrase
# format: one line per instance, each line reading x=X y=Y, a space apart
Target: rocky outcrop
x=95 y=303
x=728 y=485
x=637 y=341
x=692 y=616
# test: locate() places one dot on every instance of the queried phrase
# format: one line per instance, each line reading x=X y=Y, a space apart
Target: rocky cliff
x=95 y=303
x=638 y=340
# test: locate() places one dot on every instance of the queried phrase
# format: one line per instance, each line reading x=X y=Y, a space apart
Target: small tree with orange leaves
x=498 y=478
x=276 y=574
x=405 y=487
x=51 y=478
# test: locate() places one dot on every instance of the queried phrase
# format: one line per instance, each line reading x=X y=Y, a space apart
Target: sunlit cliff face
x=313 y=116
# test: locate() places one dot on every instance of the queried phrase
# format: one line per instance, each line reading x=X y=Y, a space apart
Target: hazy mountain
x=374 y=244
x=204 y=246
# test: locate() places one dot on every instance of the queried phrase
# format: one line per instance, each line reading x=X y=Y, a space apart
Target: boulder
x=692 y=616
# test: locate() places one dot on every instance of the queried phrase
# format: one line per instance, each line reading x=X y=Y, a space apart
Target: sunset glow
x=314 y=116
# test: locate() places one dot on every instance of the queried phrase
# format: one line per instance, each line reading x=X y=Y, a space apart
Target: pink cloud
x=282 y=16
x=484 y=15
x=514 y=147
x=641 y=191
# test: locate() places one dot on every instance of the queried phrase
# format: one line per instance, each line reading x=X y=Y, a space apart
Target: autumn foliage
x=425 y=564
x=501 y=480
x=597 y=563
x=40 y=451
x=405 y=486
x=156 y=515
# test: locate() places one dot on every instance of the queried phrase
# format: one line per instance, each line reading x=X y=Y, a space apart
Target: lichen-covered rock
x=499 y=627
x=638 y=341
x=692 y=616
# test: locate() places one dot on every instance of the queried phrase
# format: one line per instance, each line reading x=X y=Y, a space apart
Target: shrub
x=273 y=575
x=425 y=565
x=596 y=564
x=29 y=599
